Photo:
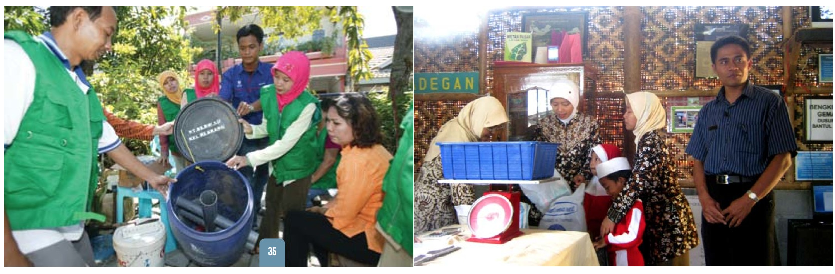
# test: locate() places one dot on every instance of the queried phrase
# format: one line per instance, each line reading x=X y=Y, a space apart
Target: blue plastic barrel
x=234 y=202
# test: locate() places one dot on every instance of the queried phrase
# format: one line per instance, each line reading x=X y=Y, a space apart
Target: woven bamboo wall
x=668 y=61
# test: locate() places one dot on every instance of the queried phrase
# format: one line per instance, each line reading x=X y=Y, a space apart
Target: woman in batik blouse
x=434 y=202
x=670 y=229
x=575 y=132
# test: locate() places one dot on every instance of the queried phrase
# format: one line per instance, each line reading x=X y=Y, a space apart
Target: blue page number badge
x=271 y=253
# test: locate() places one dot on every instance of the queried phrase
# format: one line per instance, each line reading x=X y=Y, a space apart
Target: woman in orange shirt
x=346 y=225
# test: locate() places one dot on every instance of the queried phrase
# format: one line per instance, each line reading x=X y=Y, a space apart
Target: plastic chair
x=146 y=197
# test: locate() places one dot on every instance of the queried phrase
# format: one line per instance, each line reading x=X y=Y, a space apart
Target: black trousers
x=754 y=242
x=307 y=228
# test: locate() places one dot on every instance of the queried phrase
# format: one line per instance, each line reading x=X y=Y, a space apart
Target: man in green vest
x=394 y=220
x=54 y=130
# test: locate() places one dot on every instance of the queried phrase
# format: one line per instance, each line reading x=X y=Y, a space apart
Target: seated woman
x=434 y=203
x=345 y=226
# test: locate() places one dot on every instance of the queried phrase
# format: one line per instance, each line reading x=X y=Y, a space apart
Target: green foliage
x=383 y=106
x=126 y=78
x=206 y=50
x=358 y=54
x=295 y=22
x=29 y=19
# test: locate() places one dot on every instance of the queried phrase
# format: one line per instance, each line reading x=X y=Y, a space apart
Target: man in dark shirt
x=241 y=87
x=742 y=145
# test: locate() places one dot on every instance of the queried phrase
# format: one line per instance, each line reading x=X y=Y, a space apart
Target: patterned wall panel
x=433 y=114
x=806 y=75
x=668 y=59
x=609 y=114
x=605 y=40
x=454 y=52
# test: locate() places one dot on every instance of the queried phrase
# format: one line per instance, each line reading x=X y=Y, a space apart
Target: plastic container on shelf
x=498 y=160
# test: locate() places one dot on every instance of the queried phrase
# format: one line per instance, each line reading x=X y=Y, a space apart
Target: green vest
x=190 y=94
x=395 y=216
x=300 y=161
x=329 y=179
x=170 y=111
x=51 y=170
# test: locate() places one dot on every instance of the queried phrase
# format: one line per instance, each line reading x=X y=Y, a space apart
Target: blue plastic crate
x=498 y=160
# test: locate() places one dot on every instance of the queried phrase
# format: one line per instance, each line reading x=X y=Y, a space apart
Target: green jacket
x=190 y=94
x=396 y=215
x=170 y=110
x=50 y=168
x=300 y=161
x=329 y=179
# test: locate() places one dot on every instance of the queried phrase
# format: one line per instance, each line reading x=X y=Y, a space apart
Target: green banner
x=446 y=82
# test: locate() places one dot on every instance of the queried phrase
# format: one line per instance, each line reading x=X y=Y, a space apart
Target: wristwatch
x=753 y=196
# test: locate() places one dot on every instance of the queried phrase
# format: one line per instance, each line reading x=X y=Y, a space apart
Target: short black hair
x=326 y=103
x=359 y=112
x=251 y=29
x=619 y=174
x=728 y=40
x=58 y=14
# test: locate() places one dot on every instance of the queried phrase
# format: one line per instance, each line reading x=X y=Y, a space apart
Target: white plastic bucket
x=140 y=245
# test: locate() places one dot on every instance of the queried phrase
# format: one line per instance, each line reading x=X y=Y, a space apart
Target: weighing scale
x=494 y=218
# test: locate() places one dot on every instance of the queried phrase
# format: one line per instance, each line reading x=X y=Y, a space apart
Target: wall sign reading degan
x=446 y=82
x=818 y=121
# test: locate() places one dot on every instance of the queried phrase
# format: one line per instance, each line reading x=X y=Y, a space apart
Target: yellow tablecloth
x=534 y=247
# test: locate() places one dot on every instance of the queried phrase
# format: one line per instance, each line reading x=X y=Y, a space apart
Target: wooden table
x=535 y=247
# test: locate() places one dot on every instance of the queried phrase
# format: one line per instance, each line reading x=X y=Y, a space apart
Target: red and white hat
x=611 y=166
x=606 y=151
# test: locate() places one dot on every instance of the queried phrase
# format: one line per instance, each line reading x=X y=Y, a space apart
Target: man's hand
x=244 y=109
x=160 y=183
x=578 y=179
x=606 y=227
x=600 y=243
x=237 y=162
x=737 y=211
x=246 y=125
x=711 y=210
x=164 y=129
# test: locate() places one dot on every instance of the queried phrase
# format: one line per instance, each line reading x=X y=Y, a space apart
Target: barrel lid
x=208 y=129
x=148 y=231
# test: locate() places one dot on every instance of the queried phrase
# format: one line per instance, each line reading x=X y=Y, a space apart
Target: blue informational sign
x=813 y=165
x=271 y=253
x=825 y=68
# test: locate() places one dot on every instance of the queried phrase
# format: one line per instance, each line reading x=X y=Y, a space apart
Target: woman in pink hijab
x=291 y=116
x=206 y=82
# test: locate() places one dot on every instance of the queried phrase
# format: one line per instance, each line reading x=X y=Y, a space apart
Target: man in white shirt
x=31 y=237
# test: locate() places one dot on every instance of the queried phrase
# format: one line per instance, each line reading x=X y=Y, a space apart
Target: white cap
x=611 y=166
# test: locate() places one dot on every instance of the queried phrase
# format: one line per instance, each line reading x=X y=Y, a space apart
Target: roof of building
x=382 y=50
